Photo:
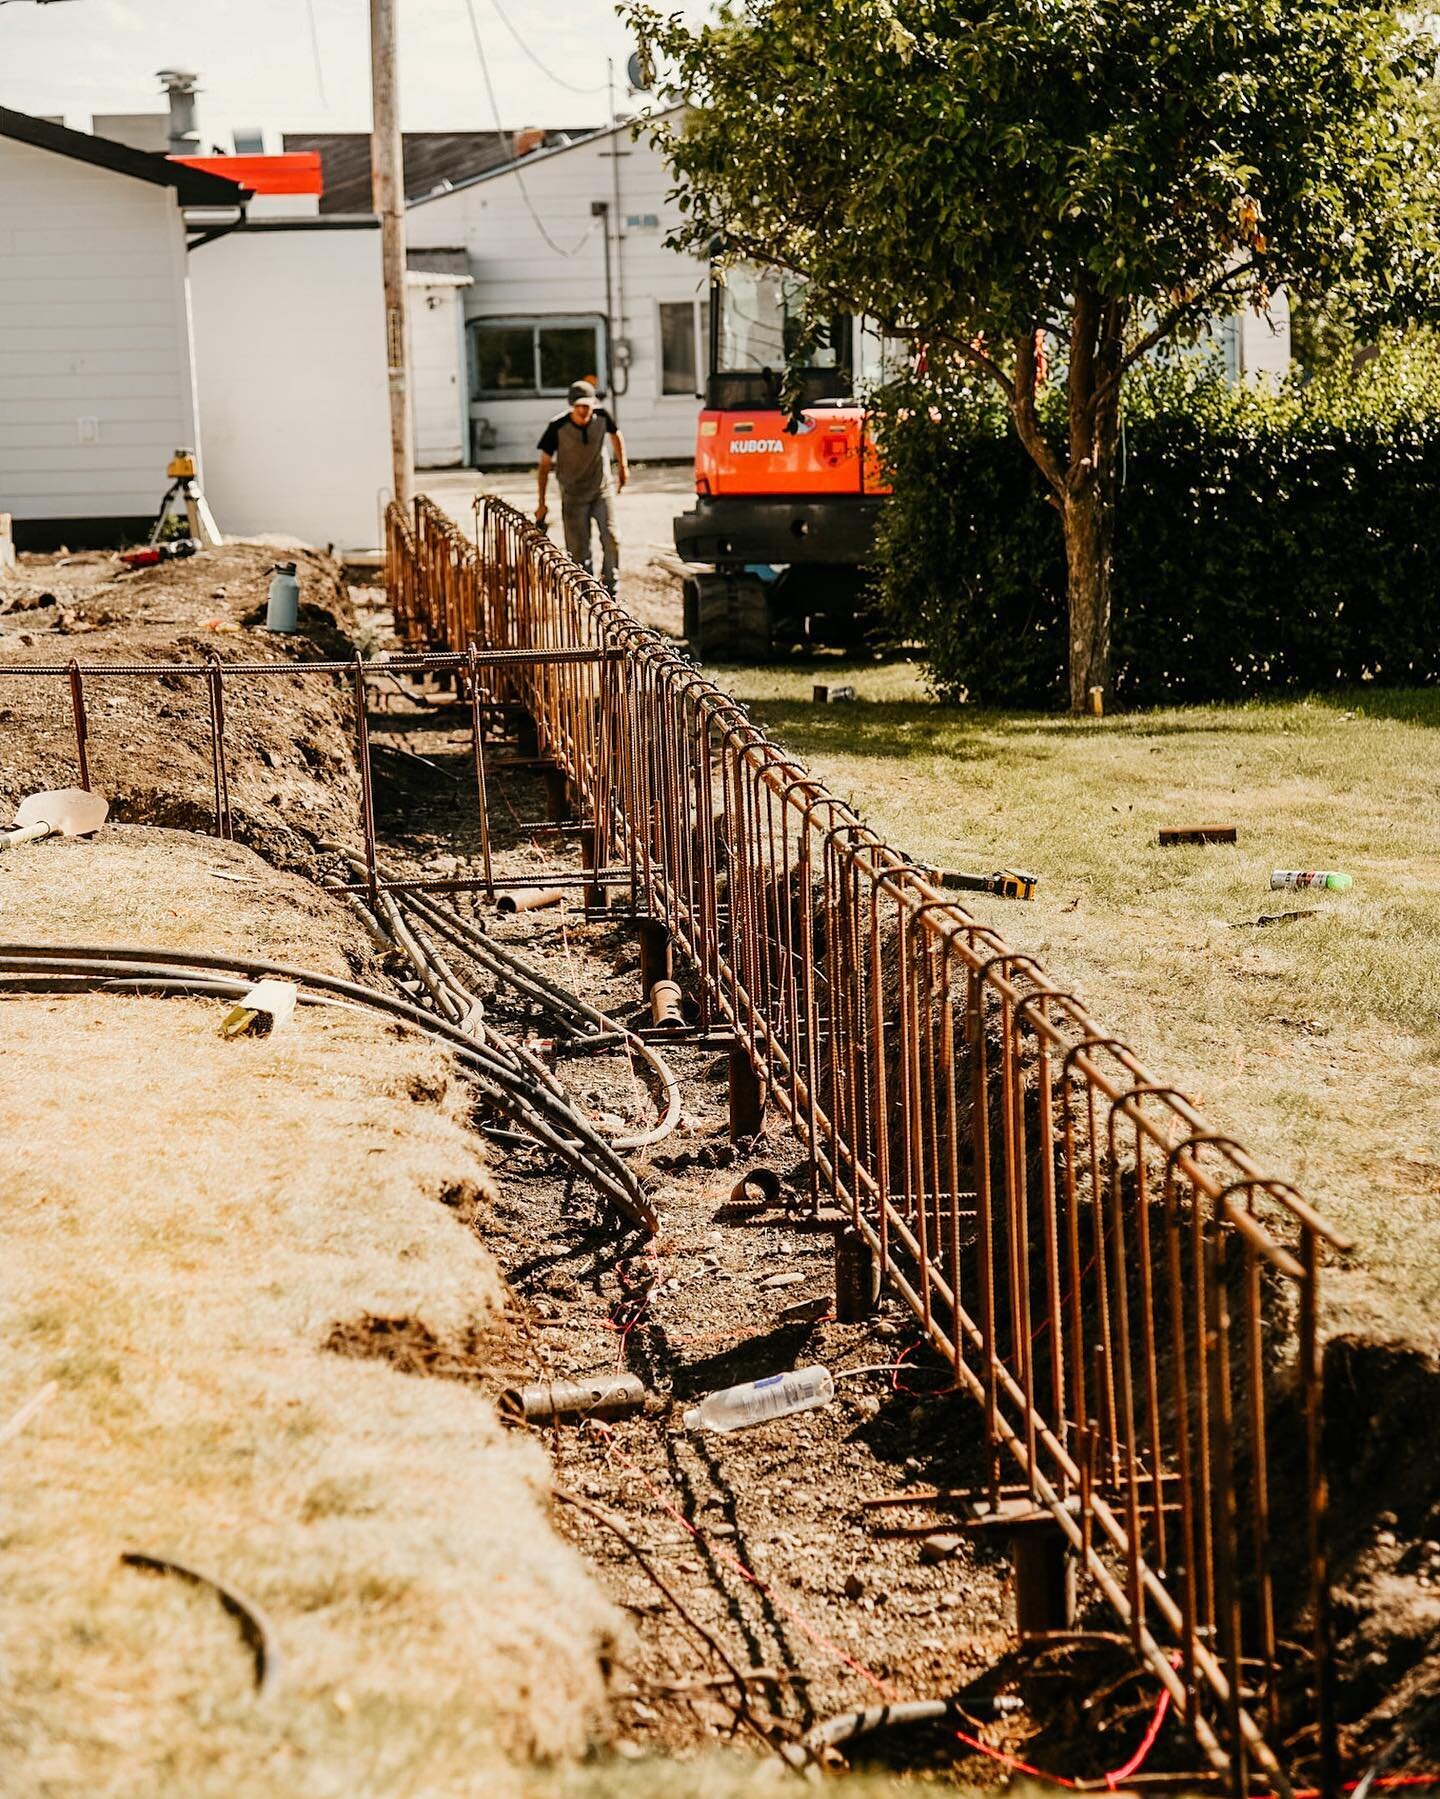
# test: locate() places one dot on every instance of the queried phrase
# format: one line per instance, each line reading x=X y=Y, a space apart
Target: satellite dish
x=639 y=72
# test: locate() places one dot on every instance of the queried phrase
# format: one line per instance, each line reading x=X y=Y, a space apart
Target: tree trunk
x=1088 y=542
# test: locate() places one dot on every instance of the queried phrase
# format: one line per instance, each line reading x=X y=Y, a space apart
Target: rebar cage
x=1130 y=1299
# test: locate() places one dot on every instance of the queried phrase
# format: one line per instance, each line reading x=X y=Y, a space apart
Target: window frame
x=535 y=323
x=701 y=338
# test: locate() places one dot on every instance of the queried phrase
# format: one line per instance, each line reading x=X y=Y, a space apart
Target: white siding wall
x=1265 y=339
x=290 y=363
x=439 y=400
x=93 y=326
x=518 y=274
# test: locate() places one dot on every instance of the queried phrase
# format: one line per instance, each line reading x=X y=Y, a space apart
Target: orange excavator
x=787 y=490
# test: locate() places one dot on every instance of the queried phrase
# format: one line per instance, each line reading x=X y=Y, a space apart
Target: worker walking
x=576 y=444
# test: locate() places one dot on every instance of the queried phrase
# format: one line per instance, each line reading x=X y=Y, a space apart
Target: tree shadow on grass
x=902 y=730
x=1402 y=705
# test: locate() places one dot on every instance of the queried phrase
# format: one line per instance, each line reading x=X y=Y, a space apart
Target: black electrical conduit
x=514 y=970
x=607 y=1032
x=71 y=967
x=456 y=1003
x=159 y=978
x=849 y=1725
x=554 y=1124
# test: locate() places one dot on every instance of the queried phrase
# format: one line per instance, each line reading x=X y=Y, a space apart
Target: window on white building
x=512 y=359
x=684 y=334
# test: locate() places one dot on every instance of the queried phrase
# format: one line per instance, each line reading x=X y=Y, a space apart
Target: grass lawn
x=1317 y=1041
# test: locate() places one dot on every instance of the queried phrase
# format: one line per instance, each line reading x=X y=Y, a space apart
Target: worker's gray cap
x=581 y=390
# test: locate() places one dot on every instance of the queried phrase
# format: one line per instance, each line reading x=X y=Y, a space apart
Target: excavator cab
x=787 y=484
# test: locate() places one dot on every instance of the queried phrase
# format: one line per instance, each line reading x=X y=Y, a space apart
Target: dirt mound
x=181 y=1217
x=1382 y=1450
x=289 y=756
x=412 y=1347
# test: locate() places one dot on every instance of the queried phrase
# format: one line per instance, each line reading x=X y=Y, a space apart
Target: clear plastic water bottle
x=1310 y=877
x=757 y=1401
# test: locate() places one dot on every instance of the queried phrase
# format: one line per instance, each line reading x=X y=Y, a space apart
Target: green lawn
x=1317 y=1042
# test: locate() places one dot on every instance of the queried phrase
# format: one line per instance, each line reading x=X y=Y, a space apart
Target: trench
x=770 y=1537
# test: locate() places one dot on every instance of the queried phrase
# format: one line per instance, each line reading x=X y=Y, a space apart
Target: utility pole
x=387 y=171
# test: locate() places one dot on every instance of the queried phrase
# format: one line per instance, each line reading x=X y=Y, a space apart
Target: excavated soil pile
x=189 y=1228
x=288 y=741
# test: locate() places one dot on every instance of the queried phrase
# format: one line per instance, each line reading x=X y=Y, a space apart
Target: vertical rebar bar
x=82 y=723
x=214 y=681
x=367 y=789
x=477 y=748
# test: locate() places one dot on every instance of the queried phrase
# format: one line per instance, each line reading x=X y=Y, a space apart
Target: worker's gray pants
x=578 y=516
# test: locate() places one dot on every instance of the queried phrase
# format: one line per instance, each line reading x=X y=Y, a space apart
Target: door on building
x=437 y=369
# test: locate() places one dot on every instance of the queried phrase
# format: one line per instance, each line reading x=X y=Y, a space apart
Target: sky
x=258 y=63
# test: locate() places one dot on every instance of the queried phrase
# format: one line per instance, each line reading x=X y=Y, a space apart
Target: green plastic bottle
x=1310 y=877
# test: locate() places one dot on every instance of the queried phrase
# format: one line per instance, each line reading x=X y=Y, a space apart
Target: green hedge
x=1264 y=542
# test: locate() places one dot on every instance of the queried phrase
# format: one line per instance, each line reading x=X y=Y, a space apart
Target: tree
x=1109 y=173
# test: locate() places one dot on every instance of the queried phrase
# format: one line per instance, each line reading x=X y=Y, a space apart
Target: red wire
x=1013 y=1761
x=833 y=1649
x=1387 y=1782
x=1115 y=1777
x=1112 y=1780
x=638 y=1309
x=803 y=1624
x=895 y=1375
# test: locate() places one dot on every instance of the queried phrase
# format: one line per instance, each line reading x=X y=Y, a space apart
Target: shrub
x=1265 y=542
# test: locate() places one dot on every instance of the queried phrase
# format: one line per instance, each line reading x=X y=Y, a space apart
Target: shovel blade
x=69 y=811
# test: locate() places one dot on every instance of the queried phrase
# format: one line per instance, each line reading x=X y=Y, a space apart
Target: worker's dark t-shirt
x=582 y=464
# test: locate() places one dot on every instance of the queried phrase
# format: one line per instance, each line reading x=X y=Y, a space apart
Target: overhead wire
x=549 y=74
x=315 y=54
x=530 y=207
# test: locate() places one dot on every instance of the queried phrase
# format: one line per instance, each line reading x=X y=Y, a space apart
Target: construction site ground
x=278 y=1351
x=1306 y=1023
x=268 y=1292
x=1315 y=1038
x=189 y=1226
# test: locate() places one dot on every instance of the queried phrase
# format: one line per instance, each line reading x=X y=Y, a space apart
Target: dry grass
x=1316 y=1041
x=183 y=1221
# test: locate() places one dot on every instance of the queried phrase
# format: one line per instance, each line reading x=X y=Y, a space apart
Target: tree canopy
x=1110 y=172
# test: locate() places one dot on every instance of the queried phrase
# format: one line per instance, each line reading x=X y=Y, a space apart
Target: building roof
x=297 y=173
x=433 y=159
x=454 y=260
x=194 y=187
x=540 y=155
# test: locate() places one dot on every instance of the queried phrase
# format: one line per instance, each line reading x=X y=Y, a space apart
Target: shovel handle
x=24 y=834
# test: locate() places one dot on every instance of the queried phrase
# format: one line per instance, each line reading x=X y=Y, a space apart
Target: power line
x=559 y=249
x=598 y=88
x=315 y=52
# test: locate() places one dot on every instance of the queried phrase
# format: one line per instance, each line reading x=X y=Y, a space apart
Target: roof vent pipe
x=181 y=87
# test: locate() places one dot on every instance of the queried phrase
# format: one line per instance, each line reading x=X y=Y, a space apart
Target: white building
x=97 y=386
x=570 y=278
x=1254 y=345
x=142 y=310
x=290 y=368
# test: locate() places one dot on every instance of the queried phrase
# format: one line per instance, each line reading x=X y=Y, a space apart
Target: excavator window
x=758 y=321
